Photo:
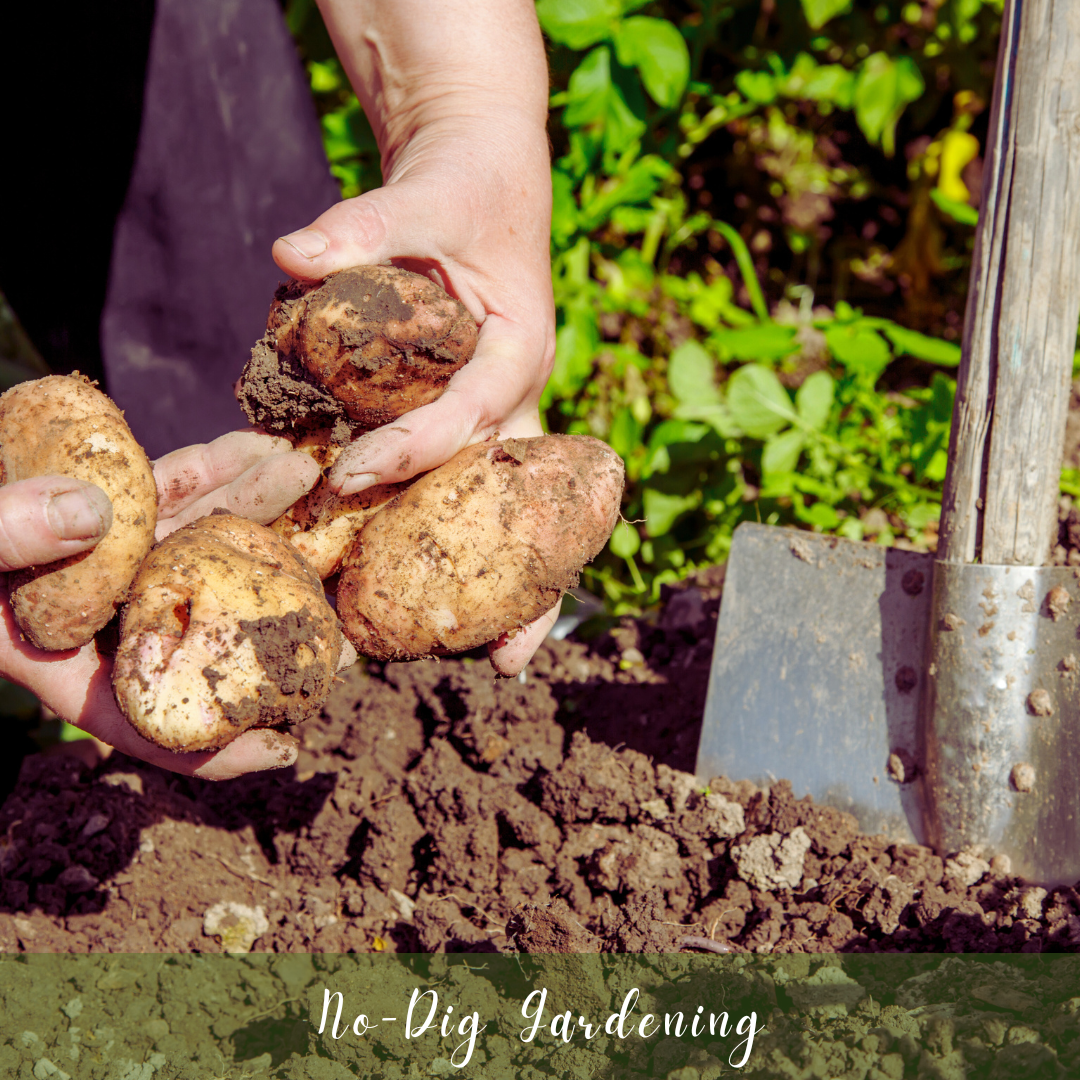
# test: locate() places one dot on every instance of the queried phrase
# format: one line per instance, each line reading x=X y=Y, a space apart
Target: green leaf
x=595 y=97
x=639 y=183
x=576 y=342
x=813 y=400
x=884 y=88
x=820 y=514
x=625 y=541
x=781 y=452
x=745 y=263
x=756 y=86
x=657 y=49
x=819 y=12
x=861 y=350
x=578 y=23
x=564 y=210
x=662 y=509
x=958 y=211
x=758 y=403
x=766 y=341
x=675 y=431
x=625 y=433
x=691 y=375
x=922 y=347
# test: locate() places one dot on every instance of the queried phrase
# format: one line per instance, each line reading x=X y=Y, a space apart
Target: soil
x=435 y=809
x=354 y=352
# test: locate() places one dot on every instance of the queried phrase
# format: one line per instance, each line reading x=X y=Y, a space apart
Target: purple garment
x=229 y=158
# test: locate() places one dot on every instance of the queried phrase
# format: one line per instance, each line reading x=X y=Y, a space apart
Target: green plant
x=763 y=220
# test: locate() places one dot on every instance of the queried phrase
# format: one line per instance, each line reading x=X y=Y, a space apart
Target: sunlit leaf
x=819 y=12
x=884 y=88
x=625 y=433
x=756 y=86
x=958 y=211
x=813 y=400
x=781 y=452
x=663 y=510
x=758 y=402
x=922 y=347
x=691 y=375
x=596 y=97
x=766 y=341
x=578 y=23
x=859 y=349
x=625 y=541
x=820 y=514
x=657 y=49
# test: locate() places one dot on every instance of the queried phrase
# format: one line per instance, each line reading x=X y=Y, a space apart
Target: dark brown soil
x=435 y=809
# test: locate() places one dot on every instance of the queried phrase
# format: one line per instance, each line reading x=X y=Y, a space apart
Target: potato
x=323 y=526
x=227 y=629
x=480 y=546
x=355 y=351
x=64 y=425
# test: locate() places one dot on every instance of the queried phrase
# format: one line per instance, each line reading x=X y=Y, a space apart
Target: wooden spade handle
x=1008 y=425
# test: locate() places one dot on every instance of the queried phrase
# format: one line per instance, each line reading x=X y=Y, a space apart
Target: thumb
x=48 y=518
x=389 y=222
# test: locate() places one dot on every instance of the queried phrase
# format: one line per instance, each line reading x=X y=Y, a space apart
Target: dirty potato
x=479 y=547
x=227 y=629
x=355 y=351
x=322 y=525
x=63 y=425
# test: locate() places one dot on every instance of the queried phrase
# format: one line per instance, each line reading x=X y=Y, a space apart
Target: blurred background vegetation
x=764 y=218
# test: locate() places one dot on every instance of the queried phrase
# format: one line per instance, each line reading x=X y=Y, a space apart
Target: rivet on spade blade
x=1022 y=776
x=912 y=582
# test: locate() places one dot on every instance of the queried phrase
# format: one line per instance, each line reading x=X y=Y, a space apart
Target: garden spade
x=937 y=697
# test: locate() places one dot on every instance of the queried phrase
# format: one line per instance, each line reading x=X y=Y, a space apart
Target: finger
x=509 y=655
x=262 y=494
x=495 y=391
x=389 y=222
x=48 y=518
x=77 y=685
x=191 y=472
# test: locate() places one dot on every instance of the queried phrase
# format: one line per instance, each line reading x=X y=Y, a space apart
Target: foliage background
x=764 y=217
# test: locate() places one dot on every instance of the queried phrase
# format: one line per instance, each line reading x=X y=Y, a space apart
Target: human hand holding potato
x=51 y=517
x=467 y=200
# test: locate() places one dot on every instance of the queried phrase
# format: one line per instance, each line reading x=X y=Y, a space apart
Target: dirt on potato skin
x=354 y=352
x=479 y=547
x=435 y=809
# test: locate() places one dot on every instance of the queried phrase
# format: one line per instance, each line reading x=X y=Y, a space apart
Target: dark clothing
x=228 y=158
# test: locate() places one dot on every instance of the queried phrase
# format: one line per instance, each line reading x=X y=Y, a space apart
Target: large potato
x=227 y=629
x=357 y=350
x=480 y=546
x=64 y=425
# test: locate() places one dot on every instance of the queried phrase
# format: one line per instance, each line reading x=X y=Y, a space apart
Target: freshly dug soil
x=435 y=809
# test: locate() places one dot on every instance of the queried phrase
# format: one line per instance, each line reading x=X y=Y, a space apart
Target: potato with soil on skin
x=340 y=357
x=479 y=547
x=228 y=629
x=64 y=425
x=354 y=351
x=322 y=525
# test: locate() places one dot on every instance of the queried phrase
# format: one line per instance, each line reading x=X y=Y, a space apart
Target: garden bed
x=435 y=809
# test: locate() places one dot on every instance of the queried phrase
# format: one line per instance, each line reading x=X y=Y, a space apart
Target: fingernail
x=82 y=514
x=355 y=482
x=308 y=242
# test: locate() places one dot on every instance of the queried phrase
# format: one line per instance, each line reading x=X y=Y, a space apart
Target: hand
x=253 y=475
x=457 y=96
x=48 y=518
